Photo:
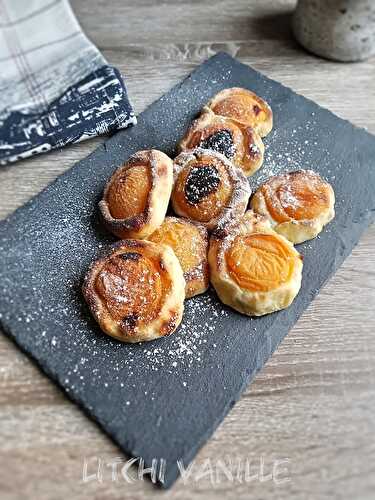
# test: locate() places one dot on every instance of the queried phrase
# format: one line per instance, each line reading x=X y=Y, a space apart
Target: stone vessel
x=342 y=30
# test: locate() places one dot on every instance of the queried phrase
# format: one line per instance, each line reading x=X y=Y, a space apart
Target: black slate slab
x=164 y=399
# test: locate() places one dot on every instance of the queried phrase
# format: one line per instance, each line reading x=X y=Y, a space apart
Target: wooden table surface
x=313 y=406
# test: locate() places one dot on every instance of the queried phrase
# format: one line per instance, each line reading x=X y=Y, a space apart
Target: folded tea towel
x=55 y=86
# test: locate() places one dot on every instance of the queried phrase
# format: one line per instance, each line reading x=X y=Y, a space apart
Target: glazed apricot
x=245 y=107
x=298 y=195
x=298 y=204
x=252 y=268
x=259 y=262
x=136 y=291
x=131 y=287
x=128 y=196
x=136 y=197
x=189 y=241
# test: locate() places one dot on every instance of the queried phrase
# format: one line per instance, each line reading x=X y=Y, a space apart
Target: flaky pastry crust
x=253 y=269
x=136 y=291
x=298 y=204
x=136 y=197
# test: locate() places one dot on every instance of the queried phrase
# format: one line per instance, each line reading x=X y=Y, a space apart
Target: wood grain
x=314 y=403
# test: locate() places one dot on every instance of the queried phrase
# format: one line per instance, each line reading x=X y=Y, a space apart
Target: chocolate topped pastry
x=253 y=269
x=136 y=198
x=208 y=188
x=245 y=107
x=136 y=292
x=298 y=204
x=189 y=241
x=239 y=143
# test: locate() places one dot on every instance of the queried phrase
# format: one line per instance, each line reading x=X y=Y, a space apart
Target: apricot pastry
x=189 y=241
x=208 y=188
x=245 y=107
x=136 y=292
x=298 y=204
x=253 y=269
x=136 y=198
x=239 y=143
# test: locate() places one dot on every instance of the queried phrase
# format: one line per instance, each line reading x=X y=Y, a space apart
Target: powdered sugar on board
x=85 y=347
x=285 y=151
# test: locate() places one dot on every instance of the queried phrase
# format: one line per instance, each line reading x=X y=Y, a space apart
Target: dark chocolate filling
x=221 y=142
x=201 y=181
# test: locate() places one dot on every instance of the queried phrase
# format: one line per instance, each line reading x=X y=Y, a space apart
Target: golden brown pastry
x=137 y=291
x=253 y=269
x=136 y=198
x=189 y=241
x=239 y=143
x=298 y=204
x=208 y=188
x=244 y=106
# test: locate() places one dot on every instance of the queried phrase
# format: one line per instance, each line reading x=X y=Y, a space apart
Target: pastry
x=254 y=269
x=244 y=106
x=136 y=292
x=189 y=241
x=136 y=198
x=239 y=143
x=298 y=204
x=208 y=188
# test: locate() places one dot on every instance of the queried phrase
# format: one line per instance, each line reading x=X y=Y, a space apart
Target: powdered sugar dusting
x=288 y=198
x=298 y=148
x=196 y=333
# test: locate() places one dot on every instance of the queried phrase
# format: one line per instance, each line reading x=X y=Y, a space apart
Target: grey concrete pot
x=343 y=30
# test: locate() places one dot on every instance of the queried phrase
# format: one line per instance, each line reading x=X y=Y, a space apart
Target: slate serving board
x=164 y=399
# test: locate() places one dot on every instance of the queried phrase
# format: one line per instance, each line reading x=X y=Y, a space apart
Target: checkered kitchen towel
x=55 y=86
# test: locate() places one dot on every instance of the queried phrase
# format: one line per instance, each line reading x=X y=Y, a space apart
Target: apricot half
x=252 y=268
x=298 y=204
x=245 y=107
x=127 y=197
x=136 y=197
x=189 y=241
x=260 y=262
x=136 y=291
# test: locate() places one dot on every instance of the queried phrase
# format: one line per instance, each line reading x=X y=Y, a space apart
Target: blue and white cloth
x=55 y=86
